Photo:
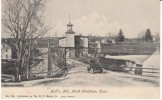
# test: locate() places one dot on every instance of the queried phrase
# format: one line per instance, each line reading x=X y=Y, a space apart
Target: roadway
x=79 y=77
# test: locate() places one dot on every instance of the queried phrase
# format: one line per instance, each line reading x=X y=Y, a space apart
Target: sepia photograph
x=75 y=49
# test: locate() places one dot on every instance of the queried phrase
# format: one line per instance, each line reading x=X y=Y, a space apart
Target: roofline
x=61 y=38
x=81 y=36
x=69 y=32
x=10 y=45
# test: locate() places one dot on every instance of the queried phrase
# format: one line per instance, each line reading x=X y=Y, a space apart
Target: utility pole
x=49 y=61
x=33 y=48
x=65 y=58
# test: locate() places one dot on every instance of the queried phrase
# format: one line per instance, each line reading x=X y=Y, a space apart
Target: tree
x=148 y=36
x=141 y=36
x=120 y=37
x=108 y=35
x=22 y=19
x=157 y=36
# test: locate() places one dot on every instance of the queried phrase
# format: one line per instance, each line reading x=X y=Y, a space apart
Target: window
x=3 y=45
x=6 y=56
x=6 y=50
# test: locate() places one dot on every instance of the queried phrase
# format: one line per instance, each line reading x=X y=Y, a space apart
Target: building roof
x=40 y=42
x=81 y=36
x=69 y=24
x=9 y=44
x=75 y=36
x=12 y=47
x=61 y=38
x=70 y=32
x=153 y=61
x=8 y=40
x=138 y=59
x=43 y=42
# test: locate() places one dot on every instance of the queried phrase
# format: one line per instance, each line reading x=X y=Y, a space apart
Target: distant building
x=104 y=41
x=8 y=51
x=154 y=60
x=98 y=44
x=108 y=41
x=151 y=63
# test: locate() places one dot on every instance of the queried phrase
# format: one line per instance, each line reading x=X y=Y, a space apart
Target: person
x=128 y=66
x=138 y=69
x=133 y=67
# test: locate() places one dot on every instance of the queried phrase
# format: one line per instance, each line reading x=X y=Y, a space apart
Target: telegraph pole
x=49 y=61
x=65 y=57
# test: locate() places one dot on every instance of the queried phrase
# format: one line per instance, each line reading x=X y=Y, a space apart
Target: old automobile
x=94 y=66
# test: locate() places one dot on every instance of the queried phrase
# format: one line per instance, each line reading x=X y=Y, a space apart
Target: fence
x=152 y=72
x=6 y=78
x=51 y=73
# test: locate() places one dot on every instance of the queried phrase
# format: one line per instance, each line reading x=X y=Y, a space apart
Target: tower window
x=69 y=28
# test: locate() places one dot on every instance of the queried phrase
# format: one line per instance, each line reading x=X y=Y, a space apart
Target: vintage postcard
x=75 y=49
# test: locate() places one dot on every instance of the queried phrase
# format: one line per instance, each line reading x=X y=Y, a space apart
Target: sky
x=100 y=17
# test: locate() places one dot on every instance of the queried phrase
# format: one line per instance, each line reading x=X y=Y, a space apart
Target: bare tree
x=23 y=20
x=109 y=35
x=141 y=36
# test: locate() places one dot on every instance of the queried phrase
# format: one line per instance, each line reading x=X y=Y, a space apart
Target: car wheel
x=101 y=70
x=88 y=69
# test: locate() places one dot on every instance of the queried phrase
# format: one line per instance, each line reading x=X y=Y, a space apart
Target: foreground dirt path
x=79 y=77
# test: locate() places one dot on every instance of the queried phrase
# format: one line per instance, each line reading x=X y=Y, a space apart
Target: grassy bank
x=129 y=48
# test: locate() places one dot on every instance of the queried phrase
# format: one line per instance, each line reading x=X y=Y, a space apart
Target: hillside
x=129 y=48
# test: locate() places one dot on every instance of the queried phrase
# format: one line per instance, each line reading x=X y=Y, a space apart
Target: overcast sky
x=99 y=17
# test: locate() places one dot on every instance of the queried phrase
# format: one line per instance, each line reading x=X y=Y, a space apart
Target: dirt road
x=79 y=76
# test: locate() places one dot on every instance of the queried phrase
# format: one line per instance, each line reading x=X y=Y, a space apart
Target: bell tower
x=70 y=41
x=69 y=26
